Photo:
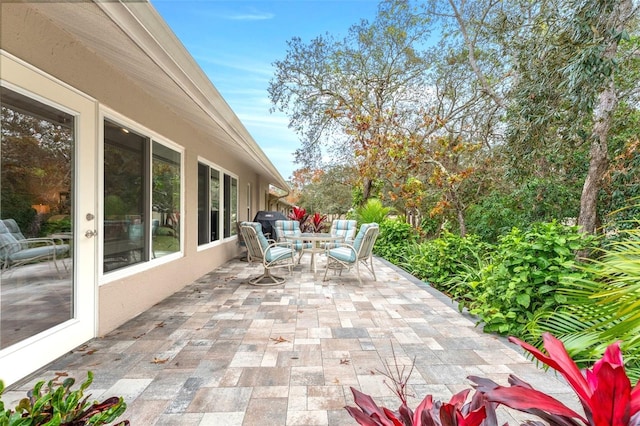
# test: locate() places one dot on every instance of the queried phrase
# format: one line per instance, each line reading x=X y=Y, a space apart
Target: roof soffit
x=136 y=41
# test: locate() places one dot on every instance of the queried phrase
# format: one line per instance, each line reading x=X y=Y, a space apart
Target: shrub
x=438 y=261
x=395 y=236
x=372 y=211
x=524 y=275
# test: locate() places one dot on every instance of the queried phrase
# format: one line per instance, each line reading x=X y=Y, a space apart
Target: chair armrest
x=285 y=244
x=38 y=241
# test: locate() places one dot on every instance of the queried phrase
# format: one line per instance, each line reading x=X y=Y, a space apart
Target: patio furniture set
x=345 y=247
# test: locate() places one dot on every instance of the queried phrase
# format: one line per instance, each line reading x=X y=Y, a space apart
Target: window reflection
x=36 y=240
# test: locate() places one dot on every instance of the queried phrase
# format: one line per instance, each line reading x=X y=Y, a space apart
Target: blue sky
x=236 y=42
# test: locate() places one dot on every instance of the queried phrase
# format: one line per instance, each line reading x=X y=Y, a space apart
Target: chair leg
x=266 y=275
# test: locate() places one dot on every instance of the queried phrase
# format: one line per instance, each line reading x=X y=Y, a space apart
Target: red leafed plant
x=457 y=412
x=317 y=222
x=604 y=391
x=299 y=214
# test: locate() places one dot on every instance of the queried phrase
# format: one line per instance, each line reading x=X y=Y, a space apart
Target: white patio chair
x=345 y=256
x=271 y=255
x=285 y=228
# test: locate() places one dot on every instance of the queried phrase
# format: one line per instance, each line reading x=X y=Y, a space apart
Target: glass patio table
x=317 y=240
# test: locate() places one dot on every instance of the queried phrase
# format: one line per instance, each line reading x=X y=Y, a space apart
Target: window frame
x=152 y=137
x=224 y=197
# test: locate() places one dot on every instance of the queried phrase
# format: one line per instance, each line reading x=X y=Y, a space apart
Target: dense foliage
x=395 y=236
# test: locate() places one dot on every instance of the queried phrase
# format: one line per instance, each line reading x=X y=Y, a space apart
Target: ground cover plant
x=56 y=404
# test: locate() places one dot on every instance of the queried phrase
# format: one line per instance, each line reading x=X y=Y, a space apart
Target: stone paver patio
x=222 y=352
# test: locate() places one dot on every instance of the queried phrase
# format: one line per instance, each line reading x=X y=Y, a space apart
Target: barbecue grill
x=267 y=219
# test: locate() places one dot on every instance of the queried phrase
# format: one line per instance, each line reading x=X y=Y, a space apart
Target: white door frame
x=25 y=357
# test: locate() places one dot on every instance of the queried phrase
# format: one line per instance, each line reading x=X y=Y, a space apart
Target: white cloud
x=256 y=16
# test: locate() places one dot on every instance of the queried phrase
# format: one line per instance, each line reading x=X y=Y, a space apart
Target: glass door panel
x=36 y=212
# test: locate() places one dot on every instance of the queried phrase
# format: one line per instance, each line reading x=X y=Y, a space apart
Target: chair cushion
x=343 y=254
x=275 y=254
x=14 y=229
x=264 y=243
x=38 y=252
x=363 y=229
x=8 y=244
x=285 y=228
x=344 y=228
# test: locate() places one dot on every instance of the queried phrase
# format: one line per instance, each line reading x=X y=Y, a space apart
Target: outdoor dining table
x=316 y=239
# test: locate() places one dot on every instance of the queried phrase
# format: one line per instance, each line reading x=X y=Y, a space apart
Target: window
x=141 y=198
x=165 y=201
x=248 y=202
x=217 y=204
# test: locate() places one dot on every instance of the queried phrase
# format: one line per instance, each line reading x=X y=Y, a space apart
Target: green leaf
x=523 y=300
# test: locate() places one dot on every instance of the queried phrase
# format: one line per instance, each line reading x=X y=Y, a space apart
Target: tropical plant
x=57 y=405
x=299 y=214
x=604 y=391
x=372 y=211
x=602 y=305
x=440 y=259
x=457 y=412
x=316 y=223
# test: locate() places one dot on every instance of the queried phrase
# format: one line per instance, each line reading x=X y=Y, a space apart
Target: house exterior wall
x=31 y=37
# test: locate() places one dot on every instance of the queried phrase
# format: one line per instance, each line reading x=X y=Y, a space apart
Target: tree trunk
x=598 y=159
x=367 y=184
x=602 y=117
x=462 y=224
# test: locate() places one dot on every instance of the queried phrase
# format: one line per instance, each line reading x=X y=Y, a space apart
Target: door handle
x=91 y=233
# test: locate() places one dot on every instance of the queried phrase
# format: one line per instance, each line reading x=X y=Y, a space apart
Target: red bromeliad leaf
x=526 y=399
x=559 y=360
x=610 y=403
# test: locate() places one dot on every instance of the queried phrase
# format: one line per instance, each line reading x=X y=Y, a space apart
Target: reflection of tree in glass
x=36 y=159
x=166 y=191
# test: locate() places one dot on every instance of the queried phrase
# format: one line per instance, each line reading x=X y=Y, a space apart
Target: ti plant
x=478 y=411
x=317 y=222
x=57 y=405
x=299 y=214
x=604 y=391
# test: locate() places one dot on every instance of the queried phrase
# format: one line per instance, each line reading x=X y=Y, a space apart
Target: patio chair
x=285 y=228
x=345 y=256
x=17 y=250
x=271 y=255
x=343 y=228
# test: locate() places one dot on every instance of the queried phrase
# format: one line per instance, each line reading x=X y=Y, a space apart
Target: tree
x=329 y=191
x=339 y=94
x=563 y=58
x=383 y=101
